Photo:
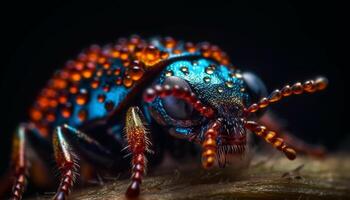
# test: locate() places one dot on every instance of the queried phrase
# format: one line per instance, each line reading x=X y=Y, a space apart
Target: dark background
x=281 y=41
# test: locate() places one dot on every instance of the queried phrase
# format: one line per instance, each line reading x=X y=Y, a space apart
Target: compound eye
x=256 y=87
x=176 y=108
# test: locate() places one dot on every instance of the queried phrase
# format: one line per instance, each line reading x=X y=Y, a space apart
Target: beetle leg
x=25 y=139
x=209 y=145
x=63 y=140
x=19 y=162
x=300 y=146
x=138 y=144
x=272 y=138
x=66 y=160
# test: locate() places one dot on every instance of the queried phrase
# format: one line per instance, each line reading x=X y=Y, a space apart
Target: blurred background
x=282 y=42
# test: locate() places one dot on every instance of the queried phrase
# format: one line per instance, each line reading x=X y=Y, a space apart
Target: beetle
x=125 y=90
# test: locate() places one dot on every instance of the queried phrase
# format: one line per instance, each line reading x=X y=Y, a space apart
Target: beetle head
x=220 y=90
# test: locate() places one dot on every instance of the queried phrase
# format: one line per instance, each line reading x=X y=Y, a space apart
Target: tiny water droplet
x=220 y=89
x=229 y=84
x=169 y=73
x=184 y=70
x=209 y=70
x=239 y=75
x=207 y=79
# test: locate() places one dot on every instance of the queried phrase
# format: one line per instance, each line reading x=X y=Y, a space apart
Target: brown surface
x=274 y=178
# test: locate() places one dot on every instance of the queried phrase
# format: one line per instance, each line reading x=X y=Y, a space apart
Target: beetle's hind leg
x=138 y=144
x=19 y=162
x=25 y=139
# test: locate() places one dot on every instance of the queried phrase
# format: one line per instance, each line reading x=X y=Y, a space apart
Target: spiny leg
x=138 y=144
x=63 y=140
x=19 y=162
x=272 y=138
x=209 y=145
x=66 y=160
x=309 y=86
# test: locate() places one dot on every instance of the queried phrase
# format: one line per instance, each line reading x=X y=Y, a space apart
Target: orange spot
x=177 y=51
x=73 y=89
x=75 y=76
x=131 y=47
x=170 y=42
x=124 y=55
x=106 y=88
x=91 y=65
x=115 y=54
x=128 y=82
x=66 y=112
x=62 y=99
x=43 y=130
x=53 y=103
x=81 y=98
x=118 y=81
x=117 y=71
x=79 y=66
x=136 y=73
x=35 y=115
x=95 y=84
x=190 y=47
x=126 y=63
x=106 y=66
x=59 y=84
x=50 y=117
x=49 y=93
x=164 y=55
x=99 y=73
x=92 y=57
x=87 y=73
x=82 y=115
x=150 y=55
x=101 y=98
x=43 y=102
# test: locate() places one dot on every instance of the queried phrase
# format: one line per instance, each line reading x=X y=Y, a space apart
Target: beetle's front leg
x=138 y=144
x=64 y=140
x=66 y=160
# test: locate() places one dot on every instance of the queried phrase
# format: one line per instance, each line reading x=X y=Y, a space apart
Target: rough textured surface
x=267 y=178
